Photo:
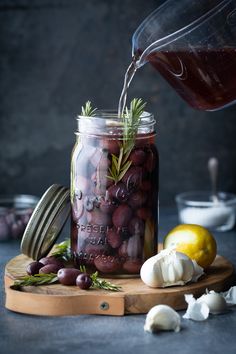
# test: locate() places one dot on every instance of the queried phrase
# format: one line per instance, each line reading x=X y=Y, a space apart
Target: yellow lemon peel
x=193 y=240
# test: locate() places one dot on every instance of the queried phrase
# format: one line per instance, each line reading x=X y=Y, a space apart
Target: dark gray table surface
x=109 y=334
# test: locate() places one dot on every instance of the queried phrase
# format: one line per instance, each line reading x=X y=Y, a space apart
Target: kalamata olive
x=67 y=276
x=107 y=264
x=136 y=226
x=138 y=157
x=137 y=199
x=119 y=192
x=122 y=216
x=151 y=160
x=144 y=213
x=96 y=249
x=133 y=177
x=84 y=281
x=34 y=267
x=99 y=218
x=111 y=145
x=52 y=260
x=132 y=266
x=114 y=238
x=107 y=206
x=146 y=185
x=49 y=268
x=4 y=229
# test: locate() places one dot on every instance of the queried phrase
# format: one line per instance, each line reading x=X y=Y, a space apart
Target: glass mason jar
x=114 y=201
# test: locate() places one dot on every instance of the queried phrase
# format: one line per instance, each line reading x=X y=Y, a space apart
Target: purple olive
x=84 y=281
x=111 y=145
x=17 y=229
x=114 y=238
x=49 y=268
x=132 y=266
x=133 y=177
x=122 y=216
x=107 y=264
x=34 y=267
x=51 y=260
x=138 y=157
x=4 y=229
x=119 y=192
x=107 y=206
x=99 y=218
x=144 y=213
x=67 y=276
x=137 y=199
x=146 y=185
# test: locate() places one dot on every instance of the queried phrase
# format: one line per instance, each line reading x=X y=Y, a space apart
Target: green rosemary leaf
x=131 y=120
x=87 y=110
x=115 y=163
x=124 y=170
x=99 y=283
x=36 y=280
x=63 y=251
x=120 y=159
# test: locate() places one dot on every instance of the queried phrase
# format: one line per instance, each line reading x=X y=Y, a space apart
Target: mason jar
x=114 y=194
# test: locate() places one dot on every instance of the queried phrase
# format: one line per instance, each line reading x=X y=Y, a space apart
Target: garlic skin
x=167 y=268
x=162 y=318
x=214 y=301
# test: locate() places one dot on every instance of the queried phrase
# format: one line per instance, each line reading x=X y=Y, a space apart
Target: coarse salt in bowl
x=203 y=209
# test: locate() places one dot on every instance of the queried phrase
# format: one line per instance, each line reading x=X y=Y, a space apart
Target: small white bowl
x=201 y=209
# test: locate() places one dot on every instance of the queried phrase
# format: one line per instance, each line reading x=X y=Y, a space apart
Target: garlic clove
x=214 y=301
x=162 y=318
x=230 y=296
x=198 y=271
x=196 y=311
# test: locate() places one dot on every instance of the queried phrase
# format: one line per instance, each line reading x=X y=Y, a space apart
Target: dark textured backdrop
x=56 y=54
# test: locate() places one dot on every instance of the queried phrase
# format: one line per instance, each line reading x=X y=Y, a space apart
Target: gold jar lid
x=46 y=222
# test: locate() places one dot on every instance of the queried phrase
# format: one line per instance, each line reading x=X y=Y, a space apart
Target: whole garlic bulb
x=162 y=318
x=167 y=268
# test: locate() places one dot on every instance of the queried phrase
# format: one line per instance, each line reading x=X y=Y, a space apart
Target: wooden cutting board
x=135 y=297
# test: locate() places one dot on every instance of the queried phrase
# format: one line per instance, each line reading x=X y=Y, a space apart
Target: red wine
x=205 y=78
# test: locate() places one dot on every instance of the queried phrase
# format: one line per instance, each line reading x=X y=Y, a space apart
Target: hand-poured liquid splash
x=128 y=78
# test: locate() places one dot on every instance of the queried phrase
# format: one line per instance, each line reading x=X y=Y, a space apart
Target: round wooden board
x=135 y=297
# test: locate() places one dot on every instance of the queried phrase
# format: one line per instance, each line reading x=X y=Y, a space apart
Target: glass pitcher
x=193 y=46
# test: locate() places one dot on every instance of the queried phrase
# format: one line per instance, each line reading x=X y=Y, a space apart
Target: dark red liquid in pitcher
x=205 y=78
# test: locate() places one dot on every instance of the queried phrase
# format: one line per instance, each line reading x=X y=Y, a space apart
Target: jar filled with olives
x=114 y=193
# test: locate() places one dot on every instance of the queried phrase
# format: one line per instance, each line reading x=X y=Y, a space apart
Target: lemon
x=193 y=240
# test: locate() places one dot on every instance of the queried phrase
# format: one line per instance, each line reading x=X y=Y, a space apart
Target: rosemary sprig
x=131 y=119
x=37 y=279
x=99 y=283
x=88 y=110
x=63 y=251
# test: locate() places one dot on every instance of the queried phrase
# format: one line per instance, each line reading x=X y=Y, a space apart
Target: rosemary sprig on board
x=37 y=279
x=131 y=119
x=99 y=283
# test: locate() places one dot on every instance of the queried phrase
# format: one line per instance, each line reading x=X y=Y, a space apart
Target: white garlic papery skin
x=167 y=268
x=214 y=301
x=162 y=318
